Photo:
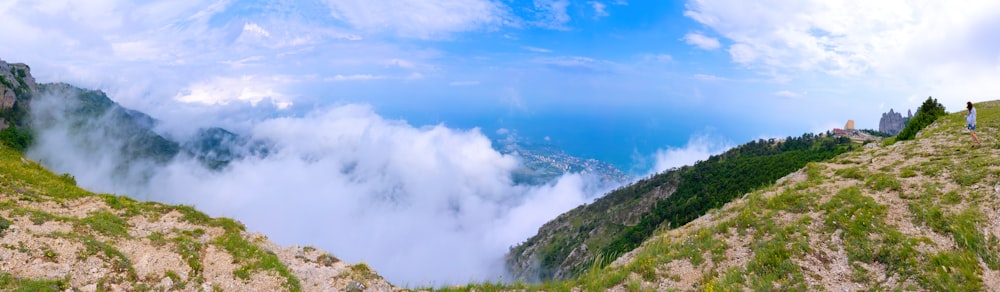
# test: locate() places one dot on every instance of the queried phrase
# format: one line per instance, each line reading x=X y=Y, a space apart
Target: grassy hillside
x=620 y=221
x=915 y=215
x=56 y=236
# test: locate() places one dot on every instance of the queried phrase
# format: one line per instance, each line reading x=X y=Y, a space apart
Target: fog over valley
x=342 y=178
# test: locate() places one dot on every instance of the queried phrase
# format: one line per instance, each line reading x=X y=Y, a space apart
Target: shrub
x=4 y=224
x=16 y=138
x=926 y=115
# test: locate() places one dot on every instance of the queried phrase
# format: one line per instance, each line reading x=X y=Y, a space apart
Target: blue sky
x=658 y=71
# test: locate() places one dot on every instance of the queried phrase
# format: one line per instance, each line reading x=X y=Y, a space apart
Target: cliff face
x=892 y=122
x=17 y=86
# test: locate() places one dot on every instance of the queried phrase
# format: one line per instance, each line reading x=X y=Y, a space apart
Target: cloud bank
x=935 y=47
x=422 y=205
x=699 y=147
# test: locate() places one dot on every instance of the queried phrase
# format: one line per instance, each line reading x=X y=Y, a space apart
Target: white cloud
x=788 y=94
x=463 y=83
x=664 y=58
x=552 y=14
x=699 y=147
x=355 y=184
x=512 y=98
x=399 y=63
x=577 y=64
x=536 y=49
x=600 y=9
x=139 y=51
x=422 y=19
x=247 y=88
x=913 y=46
x=701 y=41
x=355 y=77
x=742 y=53
x=709 y=77
x=255 y=29
x=243 y=62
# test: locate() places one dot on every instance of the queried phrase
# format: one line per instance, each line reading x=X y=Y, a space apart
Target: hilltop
x=910 y=215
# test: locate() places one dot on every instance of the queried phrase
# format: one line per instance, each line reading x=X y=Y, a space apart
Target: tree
x=926 y=115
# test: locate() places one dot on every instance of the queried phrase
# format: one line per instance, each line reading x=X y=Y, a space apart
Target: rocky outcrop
x=892 y=122
x=7 y=97
x=16 y=83
x=16 y=88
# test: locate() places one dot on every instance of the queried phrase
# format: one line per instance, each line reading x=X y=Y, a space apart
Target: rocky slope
x=55 y=236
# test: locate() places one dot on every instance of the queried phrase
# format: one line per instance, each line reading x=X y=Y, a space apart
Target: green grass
x=36 y=216
x=853 y=172
x=951 y=198
x=772 y=267
x=883 y=181
x=4 y=224
x=793 y=201
x=17 y=284
x=327 y=260
x=130 y=207
x=253 y=259
x=964 y=229
x=174 y=277
x=969 y=176
x=30 y=177
x=858 y=216
x=106 y=223
x=952 y=271
x=28 y=181
x=190 y=250
x=935 y=166
x=119 y=262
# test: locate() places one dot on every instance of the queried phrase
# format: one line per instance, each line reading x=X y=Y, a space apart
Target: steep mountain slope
x=55 y=236
x=915 y=215
x=92 y=122
x=624 y=218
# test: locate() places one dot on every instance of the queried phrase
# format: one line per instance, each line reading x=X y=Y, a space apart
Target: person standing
x=970 y=118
